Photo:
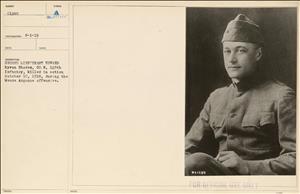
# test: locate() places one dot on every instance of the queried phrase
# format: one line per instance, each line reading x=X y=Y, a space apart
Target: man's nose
x=232 y=58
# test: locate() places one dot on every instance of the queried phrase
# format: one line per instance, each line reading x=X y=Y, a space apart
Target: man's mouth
x=234 y=67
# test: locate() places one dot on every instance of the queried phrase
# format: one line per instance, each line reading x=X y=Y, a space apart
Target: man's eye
x=242 y=50
x=226 y=51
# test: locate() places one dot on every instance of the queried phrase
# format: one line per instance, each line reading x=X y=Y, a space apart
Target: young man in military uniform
x=250 y=123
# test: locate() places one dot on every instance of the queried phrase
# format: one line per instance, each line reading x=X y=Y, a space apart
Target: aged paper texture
x=94 y=95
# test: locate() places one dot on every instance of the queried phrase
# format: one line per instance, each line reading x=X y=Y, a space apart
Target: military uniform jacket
x=255 y=120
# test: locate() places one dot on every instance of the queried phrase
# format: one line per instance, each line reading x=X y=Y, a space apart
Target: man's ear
x=258 y=53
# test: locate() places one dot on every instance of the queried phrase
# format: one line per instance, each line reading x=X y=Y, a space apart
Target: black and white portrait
x=241 y=91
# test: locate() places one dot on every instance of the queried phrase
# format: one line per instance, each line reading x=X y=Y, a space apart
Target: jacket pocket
x=260 y=127
x=258 y=120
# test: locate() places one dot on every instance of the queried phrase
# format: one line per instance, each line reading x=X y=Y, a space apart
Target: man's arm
x=201 y=138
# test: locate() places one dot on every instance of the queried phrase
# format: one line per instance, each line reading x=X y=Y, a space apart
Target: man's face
x=240 y=59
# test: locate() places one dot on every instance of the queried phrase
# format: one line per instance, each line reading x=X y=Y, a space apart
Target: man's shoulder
x=276 y=89
x=220 y=91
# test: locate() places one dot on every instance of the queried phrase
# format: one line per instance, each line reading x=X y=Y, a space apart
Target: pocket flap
x=251 y=120
x=256 y=120
x=267 y=118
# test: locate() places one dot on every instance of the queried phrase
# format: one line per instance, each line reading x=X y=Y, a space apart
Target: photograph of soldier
x=247 y=127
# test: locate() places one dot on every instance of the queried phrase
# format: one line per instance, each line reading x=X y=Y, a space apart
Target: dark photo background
x=204 y=59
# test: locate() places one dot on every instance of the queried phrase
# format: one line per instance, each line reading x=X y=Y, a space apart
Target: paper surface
x=93 y=99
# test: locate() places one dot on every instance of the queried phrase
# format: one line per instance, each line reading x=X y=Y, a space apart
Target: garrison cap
x=242 y=29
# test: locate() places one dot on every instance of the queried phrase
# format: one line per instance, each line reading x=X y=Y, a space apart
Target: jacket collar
x=249 y=82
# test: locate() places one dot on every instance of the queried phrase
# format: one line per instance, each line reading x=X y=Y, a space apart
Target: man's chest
x=245 y=121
